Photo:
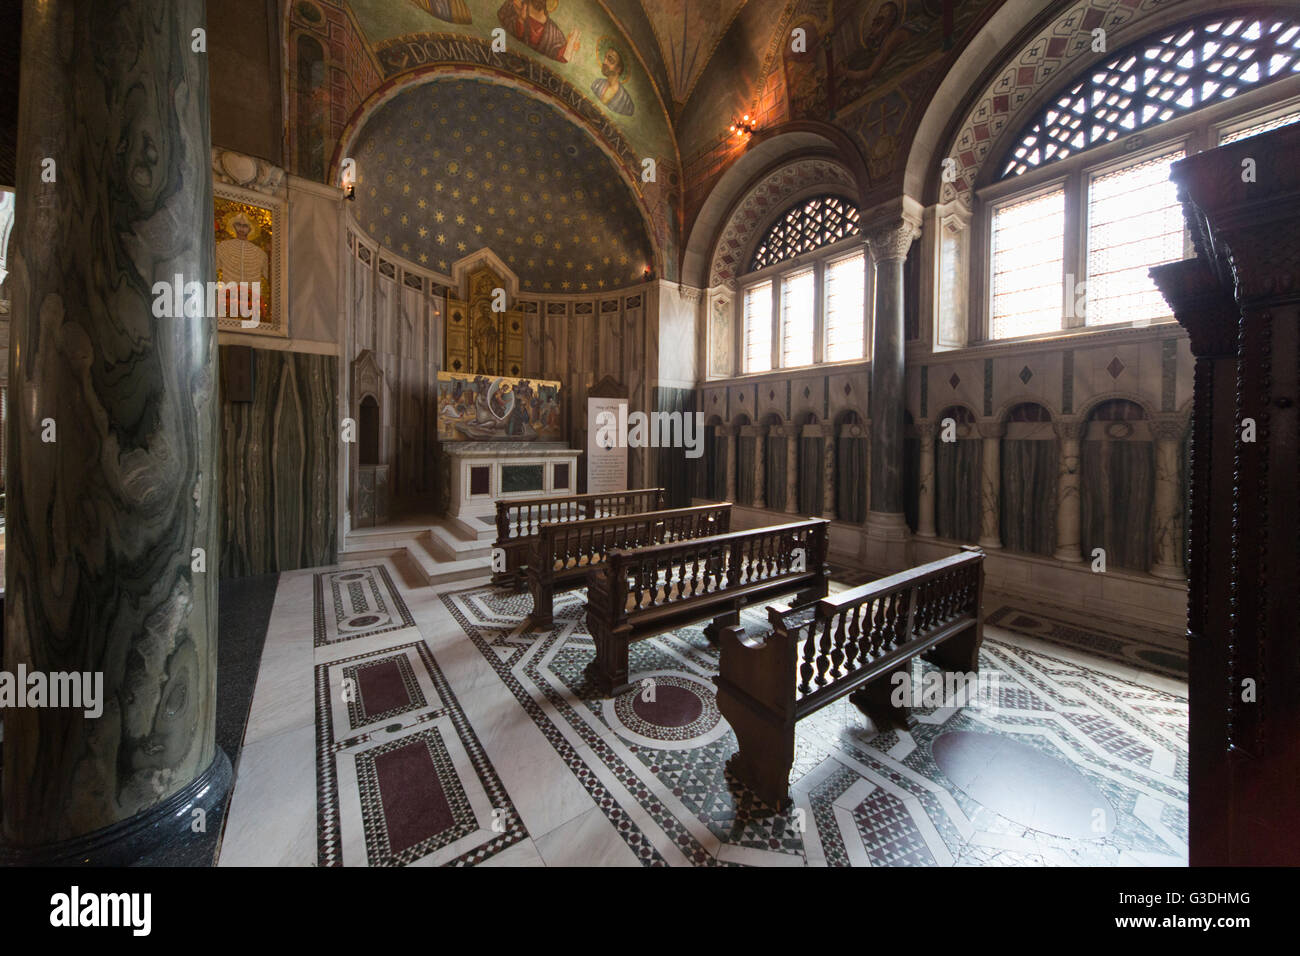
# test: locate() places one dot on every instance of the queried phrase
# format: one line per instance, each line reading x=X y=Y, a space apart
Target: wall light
x=745 y=126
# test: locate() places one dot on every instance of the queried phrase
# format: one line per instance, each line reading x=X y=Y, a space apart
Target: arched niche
x=715 y=460
x=1030 y=463
x=851 y=463
x=371 y=486
x=775 y=463
x=811 y=466
x=1117 y=484
x=958 y=458
x=746 y=448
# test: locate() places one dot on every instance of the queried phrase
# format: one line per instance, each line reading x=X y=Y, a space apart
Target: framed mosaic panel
x=249 y=232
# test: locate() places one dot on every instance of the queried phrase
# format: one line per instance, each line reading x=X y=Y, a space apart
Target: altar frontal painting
x=491 y=408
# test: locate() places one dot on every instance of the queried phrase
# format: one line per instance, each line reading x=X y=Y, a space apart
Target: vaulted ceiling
x=447 y=168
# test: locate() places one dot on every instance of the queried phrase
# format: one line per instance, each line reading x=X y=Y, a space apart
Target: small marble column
x=760 y=467
x=792 y=439
x=925 y=507
x=733 y=461
x=1068 y=541
x=1168 y=433
x=112 y=436
x=828 y=472
x=991 y=485
x=888 y=245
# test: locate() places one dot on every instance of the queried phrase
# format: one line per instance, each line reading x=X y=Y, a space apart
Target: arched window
x=805 y=227
x=1083 y=206
x=804 y=301
x=1157 y=79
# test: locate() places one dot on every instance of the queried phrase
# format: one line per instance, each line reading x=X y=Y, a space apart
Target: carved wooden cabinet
x=1240 y=303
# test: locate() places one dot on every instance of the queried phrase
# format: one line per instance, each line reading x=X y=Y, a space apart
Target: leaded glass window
x=1161 y=77
x=805 y=227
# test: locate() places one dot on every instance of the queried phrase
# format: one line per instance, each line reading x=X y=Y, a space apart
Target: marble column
x=760 y=467
x=828 y=472
x=112 y=436
x=1068 y=542
x=733 y=461
x=925 y=506
x=792 y=439
x=991 y=485
x=1168 y=432
x=888 y=245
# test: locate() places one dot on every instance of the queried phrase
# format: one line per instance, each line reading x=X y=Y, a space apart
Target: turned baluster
x=837 y=650
x=851 y=633
x=809 y=652
x=824 y=656
x=878 y=626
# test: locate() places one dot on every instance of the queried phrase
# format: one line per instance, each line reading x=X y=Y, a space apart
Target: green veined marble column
x=888 y=245
x=103 y=521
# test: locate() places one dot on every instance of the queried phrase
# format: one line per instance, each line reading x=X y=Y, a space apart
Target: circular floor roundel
x=1024 y=784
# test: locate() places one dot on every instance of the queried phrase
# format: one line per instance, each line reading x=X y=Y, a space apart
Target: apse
x=455 y=165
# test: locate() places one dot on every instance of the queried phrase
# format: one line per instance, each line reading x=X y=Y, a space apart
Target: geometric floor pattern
x=1061 y=759
x=1147 y=650
x=362 y=602
x=401 y=776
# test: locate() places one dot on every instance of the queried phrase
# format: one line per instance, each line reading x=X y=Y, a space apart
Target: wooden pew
x=638 y=594
x=519 y=519
x=852 y=643
x=561 y=553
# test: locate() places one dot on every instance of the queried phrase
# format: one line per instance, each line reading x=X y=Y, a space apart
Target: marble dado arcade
x=1062 y=446
x=384 y=317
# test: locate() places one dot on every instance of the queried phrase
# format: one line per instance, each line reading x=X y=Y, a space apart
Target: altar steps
x=436 y=550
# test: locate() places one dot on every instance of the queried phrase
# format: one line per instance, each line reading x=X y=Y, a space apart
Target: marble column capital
x=1168 y=427
x=1068 y=429
x=991 y=429
x=892 y=240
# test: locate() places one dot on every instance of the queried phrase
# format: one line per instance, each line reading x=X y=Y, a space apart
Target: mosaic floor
x=436 y=731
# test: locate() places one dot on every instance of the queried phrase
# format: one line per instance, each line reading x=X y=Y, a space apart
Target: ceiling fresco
x=448 y=167
x=688 y=32
x=659 y=79
x=575 y=41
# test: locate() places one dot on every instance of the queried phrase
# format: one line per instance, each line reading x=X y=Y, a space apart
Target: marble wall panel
x=313 y=284
x=279 y=466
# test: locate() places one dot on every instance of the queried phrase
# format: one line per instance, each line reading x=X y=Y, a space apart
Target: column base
x=125 y=842
x=990 y=544
x=1072 y=555
x=887 y=526
x=887 y=543
x=1170 y=572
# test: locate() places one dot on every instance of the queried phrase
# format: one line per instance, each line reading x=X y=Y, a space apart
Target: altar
x=483 y=472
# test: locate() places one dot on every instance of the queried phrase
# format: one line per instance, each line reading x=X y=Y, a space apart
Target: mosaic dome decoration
x=451 y=166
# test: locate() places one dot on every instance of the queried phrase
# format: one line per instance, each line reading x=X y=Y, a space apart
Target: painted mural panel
x=576 y=40
x=483 y=408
